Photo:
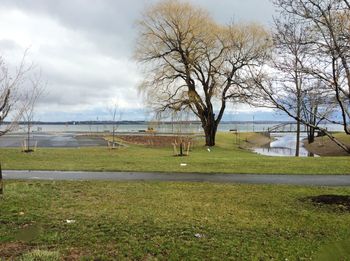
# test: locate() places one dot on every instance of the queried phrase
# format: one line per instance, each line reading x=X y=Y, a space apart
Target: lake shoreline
x=322 y=146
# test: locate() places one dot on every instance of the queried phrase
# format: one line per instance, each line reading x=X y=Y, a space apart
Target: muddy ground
x=340 y=201
x=323 y=146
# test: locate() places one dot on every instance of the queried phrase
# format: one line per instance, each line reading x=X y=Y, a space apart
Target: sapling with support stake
x=116 y=115
x=31 y=97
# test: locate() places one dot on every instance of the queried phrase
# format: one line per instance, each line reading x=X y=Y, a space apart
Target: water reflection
x=284 y=145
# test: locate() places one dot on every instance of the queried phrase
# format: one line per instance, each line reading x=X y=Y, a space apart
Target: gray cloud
x=110 y=24
x=8 y=45
x=84 y=47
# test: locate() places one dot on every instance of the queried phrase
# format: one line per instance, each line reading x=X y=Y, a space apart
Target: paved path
x=310 y=180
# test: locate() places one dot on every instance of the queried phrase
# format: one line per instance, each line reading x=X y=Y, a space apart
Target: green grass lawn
x=226 y=157
x=170 y=221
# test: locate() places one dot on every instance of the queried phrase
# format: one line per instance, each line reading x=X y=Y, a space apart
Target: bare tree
x=301 y=92
x=323 y=62
x=317 y=106
x=116 y=116
x=291 y=54
x=194 y=63
x=330 y=21
x=29 y=102
x=10 y=84
x=272 y=99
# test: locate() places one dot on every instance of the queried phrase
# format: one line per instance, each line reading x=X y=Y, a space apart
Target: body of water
x=284 y=145
x=161 y=128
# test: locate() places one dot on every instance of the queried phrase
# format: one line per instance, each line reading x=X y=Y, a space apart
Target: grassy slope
x=145 y=220
x=343 y=137
x=325 y=147
x=226 y=157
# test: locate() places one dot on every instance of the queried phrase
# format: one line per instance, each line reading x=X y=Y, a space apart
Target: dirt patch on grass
x=323 y=146
x=73 y=254
x=340 y=201
x=154 y=140
x=10 y=251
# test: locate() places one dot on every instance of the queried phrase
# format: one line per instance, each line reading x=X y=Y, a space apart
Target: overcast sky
x=84 y=49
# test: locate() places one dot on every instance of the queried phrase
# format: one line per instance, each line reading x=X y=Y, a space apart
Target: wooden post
x=1 y=182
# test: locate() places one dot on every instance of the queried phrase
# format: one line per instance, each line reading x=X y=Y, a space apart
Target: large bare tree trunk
x=210 y=133
x=311 y=135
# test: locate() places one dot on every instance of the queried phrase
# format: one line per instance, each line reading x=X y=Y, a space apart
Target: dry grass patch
x=323 y=146
x=155 y=140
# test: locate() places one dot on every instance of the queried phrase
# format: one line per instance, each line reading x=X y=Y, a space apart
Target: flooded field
x=58 y=140
x=284 y=144
x=71 y=135
x=186 y=127
x=162 y=127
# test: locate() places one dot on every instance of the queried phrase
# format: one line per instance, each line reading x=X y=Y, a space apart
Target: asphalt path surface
x=308 y=180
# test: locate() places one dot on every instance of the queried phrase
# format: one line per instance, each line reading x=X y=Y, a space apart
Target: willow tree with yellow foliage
x=193 y=63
